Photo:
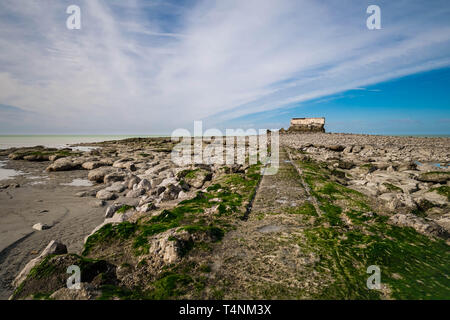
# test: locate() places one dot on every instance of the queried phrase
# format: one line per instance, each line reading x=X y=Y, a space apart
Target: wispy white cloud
x=151 y=66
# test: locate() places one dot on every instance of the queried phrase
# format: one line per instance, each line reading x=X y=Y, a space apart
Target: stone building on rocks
x=307 y=125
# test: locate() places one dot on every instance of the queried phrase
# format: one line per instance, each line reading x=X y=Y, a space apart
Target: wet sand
x=42 y=197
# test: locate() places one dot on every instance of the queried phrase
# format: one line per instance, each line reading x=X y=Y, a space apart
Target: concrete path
x=262 y=258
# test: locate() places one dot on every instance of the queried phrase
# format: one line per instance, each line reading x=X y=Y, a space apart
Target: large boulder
x=131 y=181
x=86 y=292
x=135 y=193
x=117 y=187
x=64 y=164
x=434 y=176
x=421 y=225
x=114 y=177
x=112 y=209
x=434 y=198
x=91 y=165
x=157 y=169
x=170 y=246
x=126 y=163
x=170 y=193
x=99 y=174
x=105 y=195
x=145 y=184
x=54 y=247
x=51 y=276
x=196 y=178
x=396 y=201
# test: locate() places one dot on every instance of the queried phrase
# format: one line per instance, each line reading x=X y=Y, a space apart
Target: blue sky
x=149 y=67
x=418 y=104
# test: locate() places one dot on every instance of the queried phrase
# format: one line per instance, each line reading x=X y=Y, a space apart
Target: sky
x=149 y=67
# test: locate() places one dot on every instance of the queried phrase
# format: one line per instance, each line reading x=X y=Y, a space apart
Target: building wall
x=307 y=121
x=307 y=125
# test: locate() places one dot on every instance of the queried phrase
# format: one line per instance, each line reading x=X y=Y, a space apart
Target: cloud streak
x=149 y=67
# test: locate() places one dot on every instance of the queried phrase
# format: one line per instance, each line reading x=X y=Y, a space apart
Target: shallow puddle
x=6 y=174
x=78 y=183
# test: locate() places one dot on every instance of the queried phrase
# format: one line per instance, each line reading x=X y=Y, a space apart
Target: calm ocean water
x=57 y=141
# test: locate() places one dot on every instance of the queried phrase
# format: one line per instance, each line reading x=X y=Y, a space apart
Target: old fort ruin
x=307 y=125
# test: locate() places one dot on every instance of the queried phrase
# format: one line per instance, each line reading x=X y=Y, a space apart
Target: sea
x=58 y=141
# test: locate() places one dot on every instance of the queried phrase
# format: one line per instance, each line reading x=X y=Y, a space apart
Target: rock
x=157 y=169
x=125 y=163
x=157 y=191
x=64 y=164
x=356 y=149
x=36 y=157
x=91 y=165
x=55 y=157
x=39 y=226
x=167 y=182
x=52 y=248
x=81 y=194
x=135 y=193
x=117 y=187
x=436 y=177
x=337 y=148
x=182 y=195
x=90 y=193
x=435 y=198
x=197 y=178
x=407 y=166
x=114 y=177
x=421 y=225
x=387 y=187
x=396 y=201
x=132 y=181
x=99 y=203
x=146 y=207
x=233 y=168
x=99 y=174
x=366 y=168
x=157 y=181
x=146 y=199
x=345 y=165
x=112 y=209
x=184 y=185
x=106 y=195
x=410 y=187
x=208 y=167
x=444 y=221
x=170 y=193
x=170 y=246
x=115 y=219
x=145 y=184
x=86 y=292
x=348 y=149
x=391 y=169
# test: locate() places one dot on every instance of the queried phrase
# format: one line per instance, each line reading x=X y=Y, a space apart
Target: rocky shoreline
x=149 y=215
x=406 y=174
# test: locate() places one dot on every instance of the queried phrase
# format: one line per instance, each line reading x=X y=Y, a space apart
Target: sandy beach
x=41 y=197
